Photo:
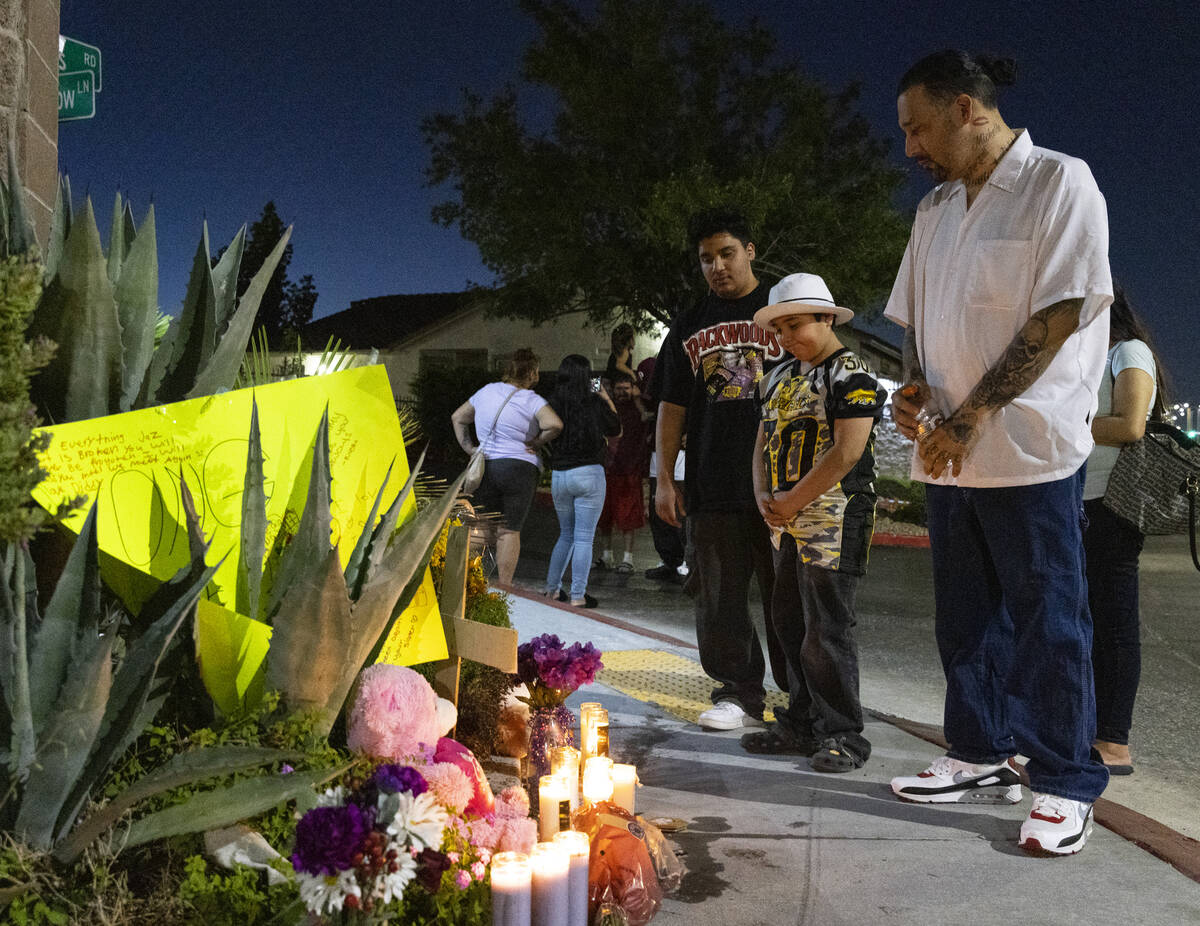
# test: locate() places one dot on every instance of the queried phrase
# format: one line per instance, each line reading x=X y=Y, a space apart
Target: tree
x=661 y=110
x=286 y=307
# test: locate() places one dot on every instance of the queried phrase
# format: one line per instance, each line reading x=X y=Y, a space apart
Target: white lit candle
x=624 y=779
x=554 y=806
x=597 y=779
x=550 y=871
x=594 y=733
x=511 y=888
x=564 y=762
x=579 y=849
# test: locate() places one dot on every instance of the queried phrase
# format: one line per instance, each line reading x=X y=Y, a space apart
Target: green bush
x=901 y=500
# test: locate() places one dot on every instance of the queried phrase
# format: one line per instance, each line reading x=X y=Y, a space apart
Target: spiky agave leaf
x=14 y=660
x=66 y=741
x=116 y=241
x=79 y=313
x=183 y=769
x=256 y=364
x=225 y=806
x=220 y=367
x=60 y=226
x=194 y=331
x=254 y=523
x=137 y=308
x=225 y=279
x=72 y=614
x=311 y=541
x=18 y=230
x=134 y=681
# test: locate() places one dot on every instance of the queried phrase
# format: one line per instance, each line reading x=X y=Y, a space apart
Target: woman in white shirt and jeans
x=512 y=422
x=1132 y=383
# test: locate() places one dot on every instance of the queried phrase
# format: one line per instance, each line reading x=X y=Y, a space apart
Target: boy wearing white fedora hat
x=814 y=471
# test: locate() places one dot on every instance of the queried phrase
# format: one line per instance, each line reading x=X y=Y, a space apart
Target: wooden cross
x=492 y=646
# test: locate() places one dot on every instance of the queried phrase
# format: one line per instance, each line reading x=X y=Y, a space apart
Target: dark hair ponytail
x=946 y=74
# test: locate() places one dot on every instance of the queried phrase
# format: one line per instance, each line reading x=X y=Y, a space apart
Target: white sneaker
x=728 y=715
x=1056 y=826
x=682 y=569
x=950 y=781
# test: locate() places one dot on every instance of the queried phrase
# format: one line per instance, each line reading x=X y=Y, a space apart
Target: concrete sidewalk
x=770 y=842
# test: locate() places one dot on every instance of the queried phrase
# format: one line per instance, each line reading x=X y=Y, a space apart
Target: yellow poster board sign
x=131 y=465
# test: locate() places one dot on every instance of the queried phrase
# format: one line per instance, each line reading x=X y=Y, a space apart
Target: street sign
x=76 y=96
x=74 y=55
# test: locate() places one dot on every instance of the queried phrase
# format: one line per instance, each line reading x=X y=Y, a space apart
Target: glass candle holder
x=512 y=884
x=554 y=805
x=579 y=849
x=551 y=865
x=597 y=779
x=594 y=730
x=564 y=762
x=625 y=782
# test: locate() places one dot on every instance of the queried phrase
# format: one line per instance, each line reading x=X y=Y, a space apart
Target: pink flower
x=485 y=856
x=454 y=857
x=479 y=870
x=462 y=879
x=512 y=802
x=449 y=785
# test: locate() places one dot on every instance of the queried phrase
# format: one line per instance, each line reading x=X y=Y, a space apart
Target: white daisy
x=327 y=893
x=333 y=797
x=422 y=818
x=390 y=885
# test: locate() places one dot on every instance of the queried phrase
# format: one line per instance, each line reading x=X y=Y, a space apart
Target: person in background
x=708 y=369
x=621 y=358
x=1133 y=383
x=625 y=474
x=669 y=539
x=814 y=472
x=577 y=474
x=512 y=423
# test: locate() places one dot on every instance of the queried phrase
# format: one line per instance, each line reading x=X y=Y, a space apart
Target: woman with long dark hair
x=577 y=473
x=511 y=424
x=1133 y=383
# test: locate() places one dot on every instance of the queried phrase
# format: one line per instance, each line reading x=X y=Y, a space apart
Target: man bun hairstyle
x=715 y=221
x=945 y=74
x=522 y=366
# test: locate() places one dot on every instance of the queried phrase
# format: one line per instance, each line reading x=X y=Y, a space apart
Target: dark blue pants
x=731 y=549
x=1113 y=548
x=1014 y=631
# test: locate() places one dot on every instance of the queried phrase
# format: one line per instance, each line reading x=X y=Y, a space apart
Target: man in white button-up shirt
x=1004 y=292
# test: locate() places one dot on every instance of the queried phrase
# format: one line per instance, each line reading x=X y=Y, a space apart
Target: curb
x=901 y=540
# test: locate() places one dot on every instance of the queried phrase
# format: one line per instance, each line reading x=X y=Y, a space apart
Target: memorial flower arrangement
x=384 y=845
x=552 y=670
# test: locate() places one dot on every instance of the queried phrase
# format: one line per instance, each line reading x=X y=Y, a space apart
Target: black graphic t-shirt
x=711 y=362
x=800 y=411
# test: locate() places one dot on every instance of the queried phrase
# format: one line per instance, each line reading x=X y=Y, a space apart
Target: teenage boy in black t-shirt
x=711 y=362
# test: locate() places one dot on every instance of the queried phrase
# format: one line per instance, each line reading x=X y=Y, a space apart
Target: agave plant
x=102 y=311
x=329 y=622
x=70 y=713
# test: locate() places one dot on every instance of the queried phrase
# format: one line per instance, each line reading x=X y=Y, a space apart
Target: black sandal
x=833 y=757
x=769 y=742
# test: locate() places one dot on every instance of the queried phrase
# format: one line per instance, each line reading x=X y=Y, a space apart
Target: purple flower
x=327 y=839
x=286 y=769
x=394 y=779
x=430 y=865
x=546 y=662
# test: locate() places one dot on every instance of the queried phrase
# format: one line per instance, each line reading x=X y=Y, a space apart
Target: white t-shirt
x=1036 y=234
x=1126 y=355
x=516 y=424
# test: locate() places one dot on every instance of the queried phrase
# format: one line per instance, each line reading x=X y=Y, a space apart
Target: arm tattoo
x=912 y=363
x=1027 y=357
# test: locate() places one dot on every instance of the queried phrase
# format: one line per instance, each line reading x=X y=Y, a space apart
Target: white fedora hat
x=800 y=294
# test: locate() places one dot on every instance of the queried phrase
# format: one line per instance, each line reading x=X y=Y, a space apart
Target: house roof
x=385 y=321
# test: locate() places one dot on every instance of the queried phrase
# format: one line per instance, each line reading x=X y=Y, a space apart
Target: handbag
x=474 y=472
x=1154 y=484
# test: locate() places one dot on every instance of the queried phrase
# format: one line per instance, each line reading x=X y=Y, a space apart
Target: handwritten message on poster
x=131 y=465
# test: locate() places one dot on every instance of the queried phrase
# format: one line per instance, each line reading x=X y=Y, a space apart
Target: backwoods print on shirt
x=731 y=356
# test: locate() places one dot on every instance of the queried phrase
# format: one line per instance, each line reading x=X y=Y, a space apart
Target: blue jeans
x=1014 y=631
x=578 y=498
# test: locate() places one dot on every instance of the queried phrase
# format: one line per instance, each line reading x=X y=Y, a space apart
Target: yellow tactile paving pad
x=676 y=684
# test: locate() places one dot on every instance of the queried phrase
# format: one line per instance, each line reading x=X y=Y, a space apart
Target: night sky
x=212 y=109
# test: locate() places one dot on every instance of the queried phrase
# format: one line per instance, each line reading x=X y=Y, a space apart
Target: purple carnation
x=394 y=779
x=327 y=839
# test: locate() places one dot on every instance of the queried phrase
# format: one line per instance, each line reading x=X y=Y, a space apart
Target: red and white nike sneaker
x=1056 y=826
x=951 y=781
